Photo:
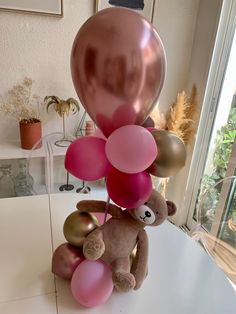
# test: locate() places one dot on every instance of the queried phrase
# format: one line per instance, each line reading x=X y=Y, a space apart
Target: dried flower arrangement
x=20 y=104
x=182 y=116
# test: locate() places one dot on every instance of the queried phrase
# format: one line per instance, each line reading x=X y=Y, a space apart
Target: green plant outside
x=223 y=148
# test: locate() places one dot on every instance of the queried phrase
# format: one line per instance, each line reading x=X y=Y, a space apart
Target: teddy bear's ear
x=171 y=208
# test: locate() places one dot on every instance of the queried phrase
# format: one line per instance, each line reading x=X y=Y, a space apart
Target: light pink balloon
x=91 y=283
x=86 y=158
x=101 y=216
x=128 y=190
x=131 y=149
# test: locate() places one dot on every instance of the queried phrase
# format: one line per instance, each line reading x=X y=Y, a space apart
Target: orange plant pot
x=30 y=134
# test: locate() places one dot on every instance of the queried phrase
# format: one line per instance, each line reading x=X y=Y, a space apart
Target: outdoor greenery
x=209 y=184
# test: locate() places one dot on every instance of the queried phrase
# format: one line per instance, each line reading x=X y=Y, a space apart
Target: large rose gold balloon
x=118 y=67
x=171 y=154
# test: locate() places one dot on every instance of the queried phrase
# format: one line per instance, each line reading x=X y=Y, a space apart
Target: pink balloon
x=86 y=158
x=131 y=149
x=101 y=216
x=128 y=190
x=91 y=283
x=150 y=129
x=118 y=67
x=65 y=260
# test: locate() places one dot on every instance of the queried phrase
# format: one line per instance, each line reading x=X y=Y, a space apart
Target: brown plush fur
x=114 y=241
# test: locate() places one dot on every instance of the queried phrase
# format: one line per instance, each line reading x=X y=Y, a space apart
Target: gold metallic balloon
x=77 y=226
x=133 y=255
x=171 y=155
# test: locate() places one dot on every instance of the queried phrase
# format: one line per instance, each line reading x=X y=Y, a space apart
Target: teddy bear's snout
x=145 y=214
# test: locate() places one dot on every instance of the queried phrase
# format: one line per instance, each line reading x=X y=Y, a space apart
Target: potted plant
x=20 y=104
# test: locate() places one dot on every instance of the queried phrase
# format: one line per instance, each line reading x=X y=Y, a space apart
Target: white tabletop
x=182 y=278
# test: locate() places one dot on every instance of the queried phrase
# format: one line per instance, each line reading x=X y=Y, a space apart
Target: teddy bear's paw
x=93 y=249
x=123 y=282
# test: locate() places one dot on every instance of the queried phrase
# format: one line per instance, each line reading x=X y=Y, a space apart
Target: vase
x=30 y=134
x=6 y=182
x=23 y=181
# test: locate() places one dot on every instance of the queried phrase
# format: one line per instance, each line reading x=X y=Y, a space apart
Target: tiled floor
x=29 y=234
x=31 y=227
x=26 y=250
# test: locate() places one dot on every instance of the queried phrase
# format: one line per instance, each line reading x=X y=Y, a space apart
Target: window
x=215 y=148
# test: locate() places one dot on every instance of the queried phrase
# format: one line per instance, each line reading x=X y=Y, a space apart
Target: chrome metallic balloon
x=118 y=67
x=171 y=156
x=77 y=226
x=148 y=123
x=65 y=260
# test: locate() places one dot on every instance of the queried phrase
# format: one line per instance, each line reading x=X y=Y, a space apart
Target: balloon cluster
x=118 y=67
x=91 y=281
x=123 y=159
x=126 y=159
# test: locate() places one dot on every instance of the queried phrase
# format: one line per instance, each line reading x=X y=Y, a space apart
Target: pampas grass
x=159 y=119
x=182 y=116
x=190 y=127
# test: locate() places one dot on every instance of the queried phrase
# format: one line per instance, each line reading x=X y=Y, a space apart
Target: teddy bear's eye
x=157 y=212
x=145 y=203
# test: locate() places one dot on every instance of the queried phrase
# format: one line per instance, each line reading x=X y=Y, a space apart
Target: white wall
x=175 y=21
x=39 y=47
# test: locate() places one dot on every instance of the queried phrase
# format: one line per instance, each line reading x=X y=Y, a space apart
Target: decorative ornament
x=62 y=107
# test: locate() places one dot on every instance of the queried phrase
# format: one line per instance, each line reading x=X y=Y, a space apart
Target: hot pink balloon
x=118 y=67
x=131 y=149
x=91 y=283
x=65 y=260
x=128 y=190
x=86 y=158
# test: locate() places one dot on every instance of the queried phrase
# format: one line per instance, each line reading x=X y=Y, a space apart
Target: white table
x=182 y=277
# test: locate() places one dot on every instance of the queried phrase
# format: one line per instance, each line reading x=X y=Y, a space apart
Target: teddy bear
x=114 y=241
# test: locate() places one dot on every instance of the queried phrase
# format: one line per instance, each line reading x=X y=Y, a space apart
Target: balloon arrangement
x=118 y=66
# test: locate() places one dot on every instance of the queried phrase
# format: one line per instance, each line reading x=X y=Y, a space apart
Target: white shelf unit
x=53 y=165
x=11 y=151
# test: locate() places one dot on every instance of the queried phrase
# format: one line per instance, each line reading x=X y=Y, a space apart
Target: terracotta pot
x=30 y=133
